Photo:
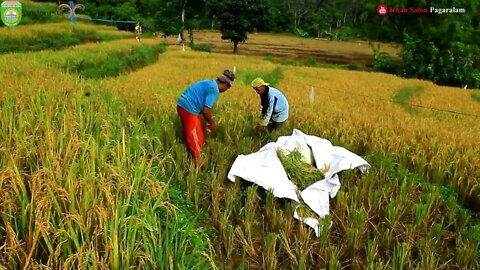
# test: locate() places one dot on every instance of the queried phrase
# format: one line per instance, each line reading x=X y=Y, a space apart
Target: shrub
x=382 y=61
x=202 y=47
x=346 y=34
x=353 y=66
x=300 y=33
x=456 y=64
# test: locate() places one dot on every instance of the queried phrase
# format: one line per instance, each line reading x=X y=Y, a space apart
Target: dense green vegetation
x=437 y=47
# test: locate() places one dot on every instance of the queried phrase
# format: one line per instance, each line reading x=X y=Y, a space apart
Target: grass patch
x=309 y=62
x=202 y=47
x=475 y=96
x=331 y=66
x=53 y=36
x=117 y=64
x=353 y=66
x=35 y=12
x=268 y=57
x=273 y=77
x=101 y=60
x=405 y=94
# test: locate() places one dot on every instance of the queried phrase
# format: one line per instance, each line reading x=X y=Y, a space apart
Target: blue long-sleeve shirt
x=200 y=94
x=273 y=106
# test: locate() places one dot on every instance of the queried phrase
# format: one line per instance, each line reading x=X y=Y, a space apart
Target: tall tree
x=238 y=17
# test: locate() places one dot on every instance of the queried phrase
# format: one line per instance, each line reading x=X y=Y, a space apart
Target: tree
x=238 y=17
x=445 y=48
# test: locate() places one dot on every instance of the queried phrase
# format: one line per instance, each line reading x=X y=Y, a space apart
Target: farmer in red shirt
x=199 y=98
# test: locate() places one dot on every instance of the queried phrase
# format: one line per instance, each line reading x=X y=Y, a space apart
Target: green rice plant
x=377 y=264
x=325 y=225
x=249 y=211
x=273 y=213
x=353 y=237
x=372 y=251
x=355 y=233
x=287 y=247
x=247 y=245
x=400 y=256
x=427 y=258
x=393 y=213
x=303 y=246
x=421 y=213
x=228 y=239
x=215 y=198
x=333 y=257
x=270 y=259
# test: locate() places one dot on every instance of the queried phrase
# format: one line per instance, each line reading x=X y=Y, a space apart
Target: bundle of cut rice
x=299 y=172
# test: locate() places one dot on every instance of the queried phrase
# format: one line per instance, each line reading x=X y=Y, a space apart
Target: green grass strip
x=53 y=36
x=405 y=94
x=117 y=64
x=100 y=60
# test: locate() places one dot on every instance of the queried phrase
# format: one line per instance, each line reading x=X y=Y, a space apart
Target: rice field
x=24 y=38
x=283 y=47
x=94 y=173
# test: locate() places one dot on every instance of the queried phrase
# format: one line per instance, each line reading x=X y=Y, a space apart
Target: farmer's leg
x=193 y=131
x=274 y=126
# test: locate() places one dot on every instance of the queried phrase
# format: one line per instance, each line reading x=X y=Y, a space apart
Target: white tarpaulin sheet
x=265 y=169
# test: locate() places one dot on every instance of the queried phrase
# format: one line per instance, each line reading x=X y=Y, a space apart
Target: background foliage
x=440 y=48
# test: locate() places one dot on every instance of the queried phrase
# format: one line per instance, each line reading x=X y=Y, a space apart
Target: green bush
x=202 y=47
x=346 y=34
x=300 y=33
x=382 y=61
x=353 y=66
x=455 y=64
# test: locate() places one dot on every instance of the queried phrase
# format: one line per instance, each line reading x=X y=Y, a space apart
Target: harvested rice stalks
x=299 y=172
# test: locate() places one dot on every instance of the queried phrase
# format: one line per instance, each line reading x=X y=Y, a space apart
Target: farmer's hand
x=211 y=127
x=260 y=128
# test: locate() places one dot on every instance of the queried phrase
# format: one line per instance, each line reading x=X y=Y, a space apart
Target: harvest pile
x=299 y=172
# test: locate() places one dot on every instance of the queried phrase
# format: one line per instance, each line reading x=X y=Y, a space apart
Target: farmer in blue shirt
x=273 y=105
x=198 y=99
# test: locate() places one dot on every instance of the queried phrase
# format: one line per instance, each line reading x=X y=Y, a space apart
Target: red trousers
x=193 y=131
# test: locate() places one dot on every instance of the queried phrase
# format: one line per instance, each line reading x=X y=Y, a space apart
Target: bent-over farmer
x=273 y=105
x=199 y=98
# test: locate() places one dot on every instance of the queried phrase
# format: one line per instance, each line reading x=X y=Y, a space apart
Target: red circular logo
x=382 y=10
